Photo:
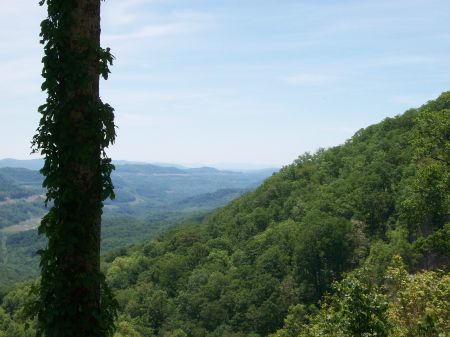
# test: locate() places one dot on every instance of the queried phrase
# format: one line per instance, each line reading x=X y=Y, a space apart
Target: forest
x=149 y=199
x=352 y=240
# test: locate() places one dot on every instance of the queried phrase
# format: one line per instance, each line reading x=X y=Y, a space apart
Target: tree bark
x=86 y=261
x=72 y=135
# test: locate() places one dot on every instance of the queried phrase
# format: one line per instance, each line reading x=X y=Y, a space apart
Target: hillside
x=327 y=213
x=351 y=213
x=149 y=198
x=142 y=190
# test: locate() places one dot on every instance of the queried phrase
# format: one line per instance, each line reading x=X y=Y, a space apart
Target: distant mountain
x=22 y=176
x=217 y=198
x=149 y=198
x=19 y=183
x=31 y=164
x=147 y=169
x=146 y=187
x=36 y=164
x=141 y=189
x=131 y=162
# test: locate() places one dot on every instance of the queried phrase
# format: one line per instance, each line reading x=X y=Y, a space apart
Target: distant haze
x=36 y=164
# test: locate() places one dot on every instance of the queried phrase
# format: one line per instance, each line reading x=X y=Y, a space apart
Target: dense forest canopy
x=325 y=247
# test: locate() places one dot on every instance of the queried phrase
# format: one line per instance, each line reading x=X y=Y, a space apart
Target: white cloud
x=153 y=31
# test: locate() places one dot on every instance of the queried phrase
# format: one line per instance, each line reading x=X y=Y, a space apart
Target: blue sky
x=234 y=82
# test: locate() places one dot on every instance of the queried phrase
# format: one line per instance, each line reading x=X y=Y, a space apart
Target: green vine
x=74 y=130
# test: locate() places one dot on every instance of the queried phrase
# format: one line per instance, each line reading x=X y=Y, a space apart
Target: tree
x=74 y=131
x=418 y=303
x=323 y=252
x=425 y=207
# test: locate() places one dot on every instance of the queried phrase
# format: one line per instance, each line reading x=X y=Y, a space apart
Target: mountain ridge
x=284 y=244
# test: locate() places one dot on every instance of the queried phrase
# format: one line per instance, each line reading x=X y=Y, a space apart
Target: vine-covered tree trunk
x=74 y=131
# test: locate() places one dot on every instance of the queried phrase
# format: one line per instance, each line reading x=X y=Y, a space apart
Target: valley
x=149 y=199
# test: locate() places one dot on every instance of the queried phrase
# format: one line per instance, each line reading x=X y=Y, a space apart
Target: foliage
x=419 y=304
x=74 y=131
x=355 y=309
x=427 y=199
x=13 y=317
x=18 y=257
x=405 y=306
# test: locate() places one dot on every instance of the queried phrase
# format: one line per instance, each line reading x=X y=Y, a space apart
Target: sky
x=226 y=83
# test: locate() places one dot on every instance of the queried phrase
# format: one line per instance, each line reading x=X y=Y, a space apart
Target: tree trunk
x=74 y=131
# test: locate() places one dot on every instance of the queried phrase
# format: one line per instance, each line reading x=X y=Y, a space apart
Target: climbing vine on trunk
x=74 y=130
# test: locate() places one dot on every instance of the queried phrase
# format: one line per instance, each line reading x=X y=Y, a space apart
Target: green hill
x=16 y=183
x=149 y=198
x=259 y=265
